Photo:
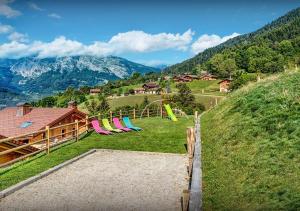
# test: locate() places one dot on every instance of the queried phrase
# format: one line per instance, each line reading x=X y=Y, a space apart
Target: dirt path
x=108 y=180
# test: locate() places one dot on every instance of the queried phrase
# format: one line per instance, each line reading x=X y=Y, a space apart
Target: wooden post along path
x=48 y=139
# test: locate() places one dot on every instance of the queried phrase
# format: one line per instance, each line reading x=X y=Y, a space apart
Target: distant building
x=225 y=85
x=95 y=91
x=208 y=77
x=23 y=119
x=139 y=91
x=185 y=78
x=148 y=88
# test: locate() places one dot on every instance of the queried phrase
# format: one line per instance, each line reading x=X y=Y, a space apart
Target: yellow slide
x=170 y=113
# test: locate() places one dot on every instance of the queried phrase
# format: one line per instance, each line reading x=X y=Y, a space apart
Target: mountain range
x=31 y=78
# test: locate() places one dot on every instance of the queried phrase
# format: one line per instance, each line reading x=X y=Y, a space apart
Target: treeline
x=270 y=49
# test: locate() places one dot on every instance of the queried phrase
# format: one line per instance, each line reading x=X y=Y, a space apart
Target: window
x=63 y=133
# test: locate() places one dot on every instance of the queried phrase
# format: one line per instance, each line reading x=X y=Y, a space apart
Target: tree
x=93 y=107
x=120 y=91
x=104 y=106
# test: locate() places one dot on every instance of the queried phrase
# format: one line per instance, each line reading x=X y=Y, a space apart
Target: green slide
x=170 y=113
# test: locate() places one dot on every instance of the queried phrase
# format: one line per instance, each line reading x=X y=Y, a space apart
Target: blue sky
x=149 y=32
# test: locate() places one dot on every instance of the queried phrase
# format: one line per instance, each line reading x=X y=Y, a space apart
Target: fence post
x=190 y=147
x=86 y=123
x=148 y=114
x=48 y=139
x=216 y=101
x=161 y=111
x=110 y=112
x=77 y=129
x=185 y=199
x=120 y=114
x=196 y=116
x=134 y=113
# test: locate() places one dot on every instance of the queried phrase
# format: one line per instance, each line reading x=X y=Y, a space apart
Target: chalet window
x=26 y=141
x=63 y=133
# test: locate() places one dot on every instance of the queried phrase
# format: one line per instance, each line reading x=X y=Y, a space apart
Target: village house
x=139 y=91
x=95 y=91
x=225 y=85
x=208 y=77
x=185 y=78
x=151 y=88
x=23 y=119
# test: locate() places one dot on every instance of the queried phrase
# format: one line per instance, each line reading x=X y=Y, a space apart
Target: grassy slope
x=251 y=147
x=211 y=91
x=159 y=135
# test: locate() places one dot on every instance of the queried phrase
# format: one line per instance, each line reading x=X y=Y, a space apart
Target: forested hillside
x=267 y=50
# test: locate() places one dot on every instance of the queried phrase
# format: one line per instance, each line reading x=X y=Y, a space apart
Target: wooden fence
x=46 y=140
x=192 y=197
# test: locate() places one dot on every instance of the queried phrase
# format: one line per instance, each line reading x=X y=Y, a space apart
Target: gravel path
x=108 y=180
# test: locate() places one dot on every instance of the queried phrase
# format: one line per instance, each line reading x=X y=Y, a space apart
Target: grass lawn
x=131 y=100
x=158 y=135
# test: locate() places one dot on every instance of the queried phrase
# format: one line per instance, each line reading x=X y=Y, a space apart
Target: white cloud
x=14 y=50
x=6 y=10
x=207 y=41
x=54 y=15
x=4 y=29
x=34 y=6
x=132 y=41
x=18 y=37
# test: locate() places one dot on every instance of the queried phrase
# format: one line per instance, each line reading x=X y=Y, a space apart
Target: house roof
x=151 y=85
x=10 y=123
x=225 y=80
x=95 y=90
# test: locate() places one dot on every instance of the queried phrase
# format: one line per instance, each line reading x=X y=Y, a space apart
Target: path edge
x=33 y=179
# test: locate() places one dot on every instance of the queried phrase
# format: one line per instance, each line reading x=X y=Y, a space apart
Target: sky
x=150 y=32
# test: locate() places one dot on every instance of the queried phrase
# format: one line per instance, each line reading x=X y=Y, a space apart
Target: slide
x=170 y=113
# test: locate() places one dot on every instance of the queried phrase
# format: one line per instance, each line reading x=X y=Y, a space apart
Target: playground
x=109 y=180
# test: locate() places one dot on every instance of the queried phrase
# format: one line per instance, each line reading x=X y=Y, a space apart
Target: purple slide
x=98 y=129
x=118 y=125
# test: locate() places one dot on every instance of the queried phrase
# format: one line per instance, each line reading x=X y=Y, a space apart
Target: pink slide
x=98 y=129
x=118 y=125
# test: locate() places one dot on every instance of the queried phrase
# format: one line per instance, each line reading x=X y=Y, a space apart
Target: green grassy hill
x=251 y=147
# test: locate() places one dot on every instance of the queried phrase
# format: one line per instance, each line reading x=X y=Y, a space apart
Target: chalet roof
x=95 y=90
x=208 y=75
x=151 y=85
x=225 y=80
x=10 y=123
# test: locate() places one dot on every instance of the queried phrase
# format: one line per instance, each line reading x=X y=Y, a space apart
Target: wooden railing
x=44 y=140
x=192 y=197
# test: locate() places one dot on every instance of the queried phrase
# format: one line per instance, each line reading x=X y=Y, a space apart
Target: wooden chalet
x=185 y=78
x=95 y=91
x=23 y=119
x=208 y=77
x=225 y=85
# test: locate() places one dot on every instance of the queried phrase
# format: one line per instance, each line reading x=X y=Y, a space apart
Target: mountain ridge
x=31 y=76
